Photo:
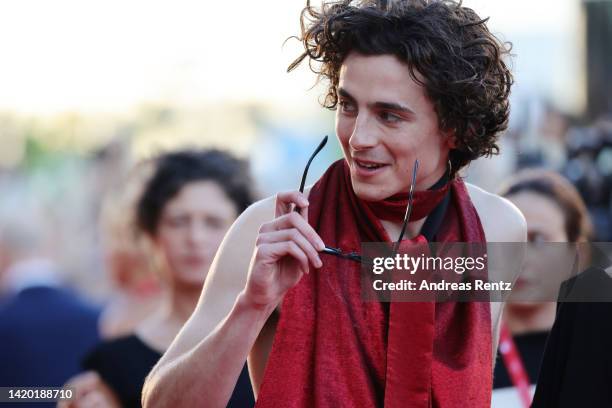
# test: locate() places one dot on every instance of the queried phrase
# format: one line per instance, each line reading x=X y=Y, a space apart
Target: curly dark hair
x=172 y=171
x=458 y=61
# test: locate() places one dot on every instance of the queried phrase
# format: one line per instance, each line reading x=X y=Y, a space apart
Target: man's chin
x=369 y=192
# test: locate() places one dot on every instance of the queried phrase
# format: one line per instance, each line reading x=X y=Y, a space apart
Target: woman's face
x=192 y=225
x=545 y=220
x=548 y=260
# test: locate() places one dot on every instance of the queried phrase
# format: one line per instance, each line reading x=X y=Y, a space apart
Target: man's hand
x=285 y=249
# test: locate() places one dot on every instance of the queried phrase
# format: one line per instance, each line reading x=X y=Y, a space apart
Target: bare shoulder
x=501 y=220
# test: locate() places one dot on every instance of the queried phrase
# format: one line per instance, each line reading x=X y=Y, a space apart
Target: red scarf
x=332 y=349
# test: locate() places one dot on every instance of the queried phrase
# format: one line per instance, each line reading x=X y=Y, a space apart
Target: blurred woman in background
x=554 y=212
x=187 y=206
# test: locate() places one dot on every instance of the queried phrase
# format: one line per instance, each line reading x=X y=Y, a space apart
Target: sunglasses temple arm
x=408 y=209
x=317 y=150
x=339 y=254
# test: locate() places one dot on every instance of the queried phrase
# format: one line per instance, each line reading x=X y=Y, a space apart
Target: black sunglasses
x=354 y=256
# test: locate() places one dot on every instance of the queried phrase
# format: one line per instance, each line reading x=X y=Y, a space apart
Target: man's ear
x=450 y=139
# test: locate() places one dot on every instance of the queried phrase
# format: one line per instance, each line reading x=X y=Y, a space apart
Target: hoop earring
x=450 y=168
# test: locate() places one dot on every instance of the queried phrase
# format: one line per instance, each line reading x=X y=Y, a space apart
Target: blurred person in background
x=589 y=168
x=555 y=213
x=45 y=328
x=128 y=259
x=185 y=209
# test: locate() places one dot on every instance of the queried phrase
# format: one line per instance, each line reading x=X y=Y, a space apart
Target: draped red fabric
x=394 y=207
x=332 y=349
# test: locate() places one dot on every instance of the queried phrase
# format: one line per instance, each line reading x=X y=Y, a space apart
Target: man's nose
x=364 y=133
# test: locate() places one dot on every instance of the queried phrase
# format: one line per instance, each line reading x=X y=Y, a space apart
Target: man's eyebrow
x=378 y=105
x=344 y=93
x=392 y=106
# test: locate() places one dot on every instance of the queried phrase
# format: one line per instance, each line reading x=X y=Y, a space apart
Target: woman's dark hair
x=556 y=188
x=447 y=48
x=172 y=171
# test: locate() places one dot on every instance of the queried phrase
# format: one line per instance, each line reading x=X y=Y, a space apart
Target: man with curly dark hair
x=447 y=49
x=410 y=80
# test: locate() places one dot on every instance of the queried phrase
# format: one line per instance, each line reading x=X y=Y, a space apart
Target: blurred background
x=88 y=89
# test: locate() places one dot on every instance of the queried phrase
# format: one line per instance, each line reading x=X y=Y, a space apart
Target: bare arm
x=502 y=222
x=203 y=363
x=206 y=374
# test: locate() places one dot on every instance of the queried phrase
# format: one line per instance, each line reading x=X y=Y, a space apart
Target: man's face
x=384 y=122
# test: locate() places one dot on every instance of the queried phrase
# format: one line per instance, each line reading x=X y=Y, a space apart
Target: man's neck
x=393 y=228
x=428 y=181
x=413 y=228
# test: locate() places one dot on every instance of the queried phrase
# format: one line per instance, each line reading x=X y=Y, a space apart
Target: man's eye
x=346 y=106
x=390 y=117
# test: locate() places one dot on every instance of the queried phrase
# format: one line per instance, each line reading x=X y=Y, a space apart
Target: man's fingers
x=294 y=220
x=286 y=200
x=304 y=213
x=278 y=250
x=296 y=236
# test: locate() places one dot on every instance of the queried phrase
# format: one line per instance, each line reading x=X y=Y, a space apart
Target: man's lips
x=367 y=168
x=369 y=164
